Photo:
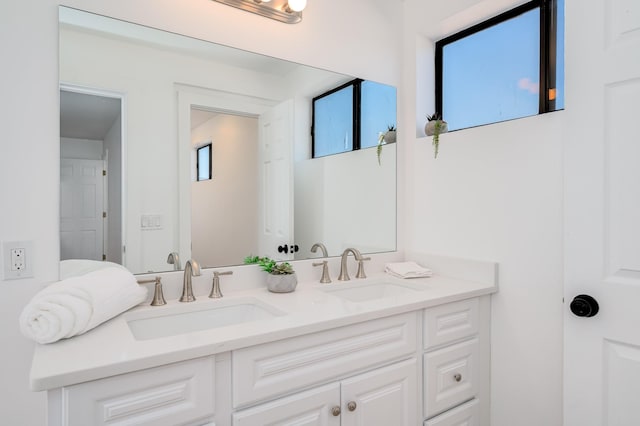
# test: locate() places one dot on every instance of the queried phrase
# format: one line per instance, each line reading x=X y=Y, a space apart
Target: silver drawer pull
x=457 y=377
x=351 y=406
x=335 y=411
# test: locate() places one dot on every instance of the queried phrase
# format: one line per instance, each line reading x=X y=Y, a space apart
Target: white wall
x=31 y=90
x=352 y=196
x=86 y=149
x=224 y=210
x=494 y=193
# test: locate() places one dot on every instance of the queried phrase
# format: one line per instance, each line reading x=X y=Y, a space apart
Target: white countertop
x=111 y=348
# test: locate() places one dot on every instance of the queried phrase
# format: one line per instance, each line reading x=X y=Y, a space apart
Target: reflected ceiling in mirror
x=178 y=93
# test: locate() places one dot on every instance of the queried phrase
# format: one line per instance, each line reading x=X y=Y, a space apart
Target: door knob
x=351 y=406
x=584 y=305
x=335 y=411
x=283 y=249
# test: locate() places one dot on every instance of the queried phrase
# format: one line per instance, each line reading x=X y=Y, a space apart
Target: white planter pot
x=390 y=136
x=284 y=283
x=430 y=127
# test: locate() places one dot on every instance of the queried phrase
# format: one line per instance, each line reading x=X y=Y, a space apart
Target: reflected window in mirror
x=377 y=111
x=204 y=163
x=351 y=117
x=333 y=121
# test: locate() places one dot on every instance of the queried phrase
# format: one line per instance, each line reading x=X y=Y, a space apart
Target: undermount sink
x=364 y=292
x=175 y=321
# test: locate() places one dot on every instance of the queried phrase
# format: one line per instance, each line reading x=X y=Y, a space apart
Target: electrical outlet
x=17 y=259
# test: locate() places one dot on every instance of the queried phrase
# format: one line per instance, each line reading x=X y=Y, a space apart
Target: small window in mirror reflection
x=204 y=162
x=333 y=121
x=377 y=111
x=352 y=116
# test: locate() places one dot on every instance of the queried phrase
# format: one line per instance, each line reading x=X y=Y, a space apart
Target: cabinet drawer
x=312 y=407
x=450 y=376
x=174 y=394
x=467 y=414
x=450 y=322
x=276 y=368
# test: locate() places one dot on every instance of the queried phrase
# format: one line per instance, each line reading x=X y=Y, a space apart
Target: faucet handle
x=360 y=273
x=158 y=297
x=326 y=278
x=216 y=293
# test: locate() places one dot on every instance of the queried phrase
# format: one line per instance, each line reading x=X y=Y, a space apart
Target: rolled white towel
x=76 y=305
x=75 y=267
x=407 y=270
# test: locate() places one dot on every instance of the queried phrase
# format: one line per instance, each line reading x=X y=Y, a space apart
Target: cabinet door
x=383 y=397
x=310 y=408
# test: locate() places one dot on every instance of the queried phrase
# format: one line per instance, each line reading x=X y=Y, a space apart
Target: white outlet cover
x=29 y=256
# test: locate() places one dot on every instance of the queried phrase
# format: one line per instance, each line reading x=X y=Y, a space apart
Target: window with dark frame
x=335 y=120
x=204 y=163
x=510 y=66
x=351 y=116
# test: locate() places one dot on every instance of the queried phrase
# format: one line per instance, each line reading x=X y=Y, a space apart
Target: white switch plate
x=17 y=257
x=151 y=222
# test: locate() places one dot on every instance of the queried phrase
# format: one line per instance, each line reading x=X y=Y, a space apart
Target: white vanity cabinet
x=455 y=362
x=425 y=367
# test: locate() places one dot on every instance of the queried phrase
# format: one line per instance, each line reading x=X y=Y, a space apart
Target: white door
x=602 y=213
x=276 y=182
x=81 y=209
x=383 y=397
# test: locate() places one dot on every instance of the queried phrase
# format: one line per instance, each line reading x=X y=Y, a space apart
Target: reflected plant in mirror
x=267 y=194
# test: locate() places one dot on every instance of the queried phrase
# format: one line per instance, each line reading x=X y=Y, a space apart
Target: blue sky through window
x=378 y=111
x=493 y=75
x=333 y=118
x=333 y=123
x=204 y=162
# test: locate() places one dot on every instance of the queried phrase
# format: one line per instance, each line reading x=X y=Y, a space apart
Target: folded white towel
x=76 y=305
x=407 y=270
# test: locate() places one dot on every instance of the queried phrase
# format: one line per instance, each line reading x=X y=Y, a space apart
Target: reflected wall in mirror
x=266 y=191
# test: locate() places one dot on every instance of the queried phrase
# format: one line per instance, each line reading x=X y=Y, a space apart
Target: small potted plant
x=435 y=126
x=281 y=277
x=386 y=137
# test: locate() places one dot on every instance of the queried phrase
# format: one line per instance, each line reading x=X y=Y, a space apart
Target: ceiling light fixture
x=288 y=11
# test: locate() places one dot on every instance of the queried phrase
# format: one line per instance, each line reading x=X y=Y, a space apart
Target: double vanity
x=375 y=351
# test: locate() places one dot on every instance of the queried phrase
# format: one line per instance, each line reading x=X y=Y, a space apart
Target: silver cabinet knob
x=351 y=406
x=457 y=377
x=335 y=411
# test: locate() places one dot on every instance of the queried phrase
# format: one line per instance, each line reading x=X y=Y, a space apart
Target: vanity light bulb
x=297 y=5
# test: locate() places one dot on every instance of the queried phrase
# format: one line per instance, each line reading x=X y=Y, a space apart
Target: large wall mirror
x=171 y=144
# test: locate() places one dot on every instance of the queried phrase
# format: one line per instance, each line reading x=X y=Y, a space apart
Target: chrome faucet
x=344 y=273
x=174 y=260
x=191 y=268
x=215 y=289
x=326 y=278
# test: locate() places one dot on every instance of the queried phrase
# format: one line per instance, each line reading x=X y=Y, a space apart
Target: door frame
x=87 y=90
x=209 y=100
